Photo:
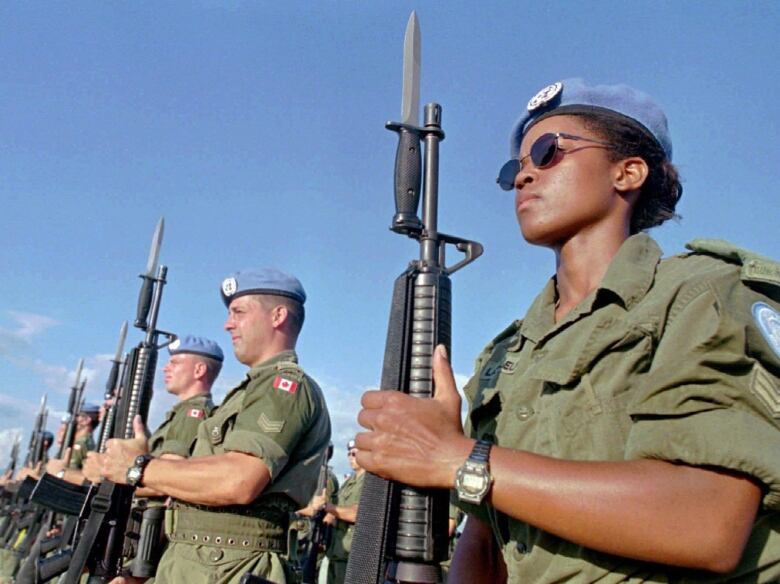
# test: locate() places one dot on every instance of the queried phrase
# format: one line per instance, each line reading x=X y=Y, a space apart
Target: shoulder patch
x=270 y=426
x=765 y=389
x=768 y=321
x=196 y=413
x=285 y=384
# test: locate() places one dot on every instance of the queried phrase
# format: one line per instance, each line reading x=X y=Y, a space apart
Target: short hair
x=213 y=367
x=295 y=310
x=662 y=189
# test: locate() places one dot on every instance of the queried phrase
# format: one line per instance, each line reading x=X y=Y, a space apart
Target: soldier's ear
x=279 y=315
x=200 y=370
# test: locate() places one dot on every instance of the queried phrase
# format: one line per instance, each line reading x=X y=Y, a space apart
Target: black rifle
x=14 y=456
x=35 y=448
x=320 y=535
x=100 y=544
x=401 y=532
x=71 y=418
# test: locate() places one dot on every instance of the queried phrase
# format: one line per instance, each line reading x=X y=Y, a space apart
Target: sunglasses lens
x=543 y=150
x=507 y=174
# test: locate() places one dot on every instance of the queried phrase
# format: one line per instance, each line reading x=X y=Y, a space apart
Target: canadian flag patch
x=195 y=413
x=284 y=384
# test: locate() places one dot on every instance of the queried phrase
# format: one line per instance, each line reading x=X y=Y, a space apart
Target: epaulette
x=508 y=332
x=755 y=267
x=290 y=369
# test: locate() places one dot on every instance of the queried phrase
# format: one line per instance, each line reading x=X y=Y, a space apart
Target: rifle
x=401 y=532
x=113 y=389
x=320 y=532
x=100 y=544
x=71 y=417
x=35 y=446
x=12 y=459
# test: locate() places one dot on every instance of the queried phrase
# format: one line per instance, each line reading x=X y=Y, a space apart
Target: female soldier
x=627 y=428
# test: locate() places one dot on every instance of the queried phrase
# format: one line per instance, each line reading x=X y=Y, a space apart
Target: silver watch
x=473 y=480
x=135 y=473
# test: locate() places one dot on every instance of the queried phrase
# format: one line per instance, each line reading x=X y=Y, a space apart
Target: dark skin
x=580 y=207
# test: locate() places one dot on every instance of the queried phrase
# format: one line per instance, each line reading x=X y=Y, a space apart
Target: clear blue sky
x=257 y=130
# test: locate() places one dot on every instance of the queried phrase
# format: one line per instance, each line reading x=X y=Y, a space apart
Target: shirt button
x=524 y=412
x=521 y=547
x=216 y=555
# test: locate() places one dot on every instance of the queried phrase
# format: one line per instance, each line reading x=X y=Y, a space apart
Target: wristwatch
x=473 y=479
x=135 y=473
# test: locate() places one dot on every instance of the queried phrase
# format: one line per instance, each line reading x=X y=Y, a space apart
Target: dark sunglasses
x=543 y=154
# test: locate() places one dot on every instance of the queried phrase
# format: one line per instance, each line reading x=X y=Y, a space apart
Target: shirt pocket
x=219 y=425
x=586 y=394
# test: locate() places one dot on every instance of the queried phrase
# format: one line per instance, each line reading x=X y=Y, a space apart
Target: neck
x=193 y=390
x=581 y=264
x=272 y=351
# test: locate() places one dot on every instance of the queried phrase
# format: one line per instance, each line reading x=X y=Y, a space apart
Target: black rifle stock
x=401 y=532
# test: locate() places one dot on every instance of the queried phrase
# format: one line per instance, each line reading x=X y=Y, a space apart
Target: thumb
x=445 y=389
x=138 y=428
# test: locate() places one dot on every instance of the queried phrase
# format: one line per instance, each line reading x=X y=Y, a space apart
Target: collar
x=285 y=357
x=190 y=400
x=628 y=278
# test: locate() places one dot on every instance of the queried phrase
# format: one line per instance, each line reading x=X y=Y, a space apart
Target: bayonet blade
x=79 y=367
x=154 y=252
x=410 y=97
x=121 y=346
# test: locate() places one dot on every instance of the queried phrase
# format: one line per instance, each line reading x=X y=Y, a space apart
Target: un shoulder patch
x=768 y=321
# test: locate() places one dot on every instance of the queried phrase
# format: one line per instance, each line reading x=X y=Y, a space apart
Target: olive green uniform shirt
x=79 y=451
x=347 y=496
x=277 y=414
x=665 y=360
x=177 y=433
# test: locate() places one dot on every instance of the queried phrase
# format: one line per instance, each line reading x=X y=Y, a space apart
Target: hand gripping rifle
x=99 y=548
x=401 y=532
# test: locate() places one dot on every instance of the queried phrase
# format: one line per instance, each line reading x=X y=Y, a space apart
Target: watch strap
x=481 y=451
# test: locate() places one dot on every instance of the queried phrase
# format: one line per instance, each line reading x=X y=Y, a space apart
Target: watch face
x=133 y=475
x=473 y=482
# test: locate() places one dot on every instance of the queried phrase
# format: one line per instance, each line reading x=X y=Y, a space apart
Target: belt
x=196 y=527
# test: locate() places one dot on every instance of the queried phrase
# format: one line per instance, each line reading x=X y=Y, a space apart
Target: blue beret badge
x=545 y=96
x=174 y=345
x=229 y=286
x=768 y=320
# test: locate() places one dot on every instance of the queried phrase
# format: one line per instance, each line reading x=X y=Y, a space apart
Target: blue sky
x=257 y=130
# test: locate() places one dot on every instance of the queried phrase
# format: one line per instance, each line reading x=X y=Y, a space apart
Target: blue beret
x=90 y=409
x=196 y=346
x=262 y=281
x=572 y=96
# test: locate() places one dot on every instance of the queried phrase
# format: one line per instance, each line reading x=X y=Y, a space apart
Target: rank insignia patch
x=768 y=321
x=285 y=384
x=267 y=425
x=196 y=413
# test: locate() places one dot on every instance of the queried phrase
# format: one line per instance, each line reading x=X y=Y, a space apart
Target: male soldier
x=256 y=458
x=192 y=369
x=194 y=364
x=342 y=512
x=83 y=442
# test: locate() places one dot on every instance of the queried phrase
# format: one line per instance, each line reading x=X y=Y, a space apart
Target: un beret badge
x=229 y=286
x=545 y=96
x=174 y=345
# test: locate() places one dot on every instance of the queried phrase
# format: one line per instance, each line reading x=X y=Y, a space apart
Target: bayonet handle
x=144 y=301
x=407 y=180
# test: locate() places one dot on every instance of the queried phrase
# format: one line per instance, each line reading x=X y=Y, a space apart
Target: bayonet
x=145 y=296
x=410 y=97
x=120 y=348
x=154 y=252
